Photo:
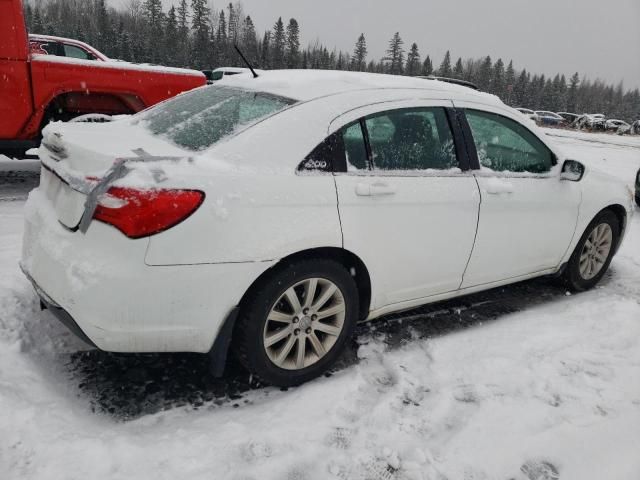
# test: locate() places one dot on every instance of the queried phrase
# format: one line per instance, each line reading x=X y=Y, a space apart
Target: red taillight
x=142 y=213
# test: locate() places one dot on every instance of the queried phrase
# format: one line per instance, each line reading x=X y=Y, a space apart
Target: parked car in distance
x=222 y=72
x=48 y=79
x=591 y=122
x=614 y=125
x=635 y=128
x=529 y=113
x=549 y=118
x=570 y=118
x=275 y=213
x=63 y=47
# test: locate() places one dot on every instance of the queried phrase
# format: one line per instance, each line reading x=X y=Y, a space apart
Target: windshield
x=198 y=119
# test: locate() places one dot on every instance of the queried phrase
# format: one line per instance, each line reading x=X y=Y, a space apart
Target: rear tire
x=592 y=256
x=295 y=324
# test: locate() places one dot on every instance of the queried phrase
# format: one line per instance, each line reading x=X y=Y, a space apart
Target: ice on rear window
x=198 y=119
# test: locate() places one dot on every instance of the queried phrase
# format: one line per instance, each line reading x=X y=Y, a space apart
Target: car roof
x=305 y=85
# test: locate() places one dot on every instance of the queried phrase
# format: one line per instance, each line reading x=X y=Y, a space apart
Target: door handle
x=374 y=189
x=496 y=186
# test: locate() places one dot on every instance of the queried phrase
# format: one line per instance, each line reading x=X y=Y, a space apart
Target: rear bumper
x=98 y=283
x=57 y=311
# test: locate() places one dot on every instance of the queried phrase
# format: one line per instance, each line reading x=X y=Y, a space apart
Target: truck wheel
x=296 y=325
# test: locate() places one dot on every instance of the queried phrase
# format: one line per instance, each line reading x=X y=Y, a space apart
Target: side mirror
x=572 y=171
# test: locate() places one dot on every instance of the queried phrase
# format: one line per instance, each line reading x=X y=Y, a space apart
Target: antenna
x=255 y=75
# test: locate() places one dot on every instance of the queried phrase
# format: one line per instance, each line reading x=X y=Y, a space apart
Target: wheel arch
x=621 y=214
x=348 y=259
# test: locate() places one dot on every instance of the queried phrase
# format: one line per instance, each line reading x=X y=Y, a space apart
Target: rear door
x=527 y=215
x=407 y=202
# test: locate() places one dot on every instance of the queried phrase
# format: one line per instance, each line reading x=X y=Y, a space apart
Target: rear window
x=198 y=119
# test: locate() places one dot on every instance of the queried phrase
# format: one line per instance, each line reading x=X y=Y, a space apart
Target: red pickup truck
x=44 y=79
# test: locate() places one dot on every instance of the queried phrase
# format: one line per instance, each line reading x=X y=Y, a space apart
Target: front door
x=406 y=207
x=527 y=214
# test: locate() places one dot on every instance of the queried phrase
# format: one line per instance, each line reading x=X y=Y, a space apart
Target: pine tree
x=249 y=40
x=233 y=26
x=484 y=74
x=221 y=47
x=182 y=40
x=520 y=90
x=278 y=45
x=395 y=55
x=200 y=26
x=497 y=80
x=293 y=44
x=359 y=57
x=170 y=33
x=265 y=52
x=413 y=61
x=458 y=70
x=572 y=93
x=445 y=66
x=510 y=81
x=427 y=67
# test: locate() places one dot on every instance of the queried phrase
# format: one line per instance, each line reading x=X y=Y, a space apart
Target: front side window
x=199 y=118
x=506 y=145
x=411 y=139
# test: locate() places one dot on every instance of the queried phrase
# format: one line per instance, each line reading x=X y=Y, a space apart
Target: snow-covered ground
x=552 y=390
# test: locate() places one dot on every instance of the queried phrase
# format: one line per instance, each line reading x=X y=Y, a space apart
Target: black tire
x=572 y=276
x=248 y=338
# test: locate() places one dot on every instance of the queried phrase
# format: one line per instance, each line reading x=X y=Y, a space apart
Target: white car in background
x=529 y=114
x=275 y=213
x=614 y=125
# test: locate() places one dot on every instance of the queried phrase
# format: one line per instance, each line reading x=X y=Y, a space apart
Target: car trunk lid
x=77 y=157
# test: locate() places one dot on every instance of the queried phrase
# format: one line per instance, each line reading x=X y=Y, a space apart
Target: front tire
x=592 y=256
x=296 y=323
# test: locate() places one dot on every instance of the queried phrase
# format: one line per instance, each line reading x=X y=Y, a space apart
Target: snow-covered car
x=569 y=117
x=591 y=122
x=223 y=72
x=615 y=125
x=275 y=213
x=529 y=114
x=549 y=118
x=635 y=128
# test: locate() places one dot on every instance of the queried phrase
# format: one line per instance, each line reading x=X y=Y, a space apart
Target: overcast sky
x=599 y=38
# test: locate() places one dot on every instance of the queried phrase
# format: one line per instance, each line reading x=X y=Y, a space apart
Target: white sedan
x=273 y=214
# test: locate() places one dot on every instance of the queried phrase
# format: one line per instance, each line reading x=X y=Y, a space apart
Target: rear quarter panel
x=252 y=218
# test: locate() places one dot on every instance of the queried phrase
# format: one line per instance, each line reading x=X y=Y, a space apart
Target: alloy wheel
x=304 y=323
x=595 y=251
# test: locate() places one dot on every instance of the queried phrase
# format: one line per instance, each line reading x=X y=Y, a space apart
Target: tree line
x=193 y=34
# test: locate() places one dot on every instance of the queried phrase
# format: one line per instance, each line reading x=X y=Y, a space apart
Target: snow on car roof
x=306 y=85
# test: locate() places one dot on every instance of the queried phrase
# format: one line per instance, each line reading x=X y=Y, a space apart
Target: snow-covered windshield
x=198 y=119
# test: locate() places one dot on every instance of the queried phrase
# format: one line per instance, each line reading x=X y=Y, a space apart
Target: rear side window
x=75 y=52
x=506 y=145
x=199 y=118
x=411 y=139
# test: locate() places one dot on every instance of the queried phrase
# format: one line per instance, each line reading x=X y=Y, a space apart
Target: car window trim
x=473 y=152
